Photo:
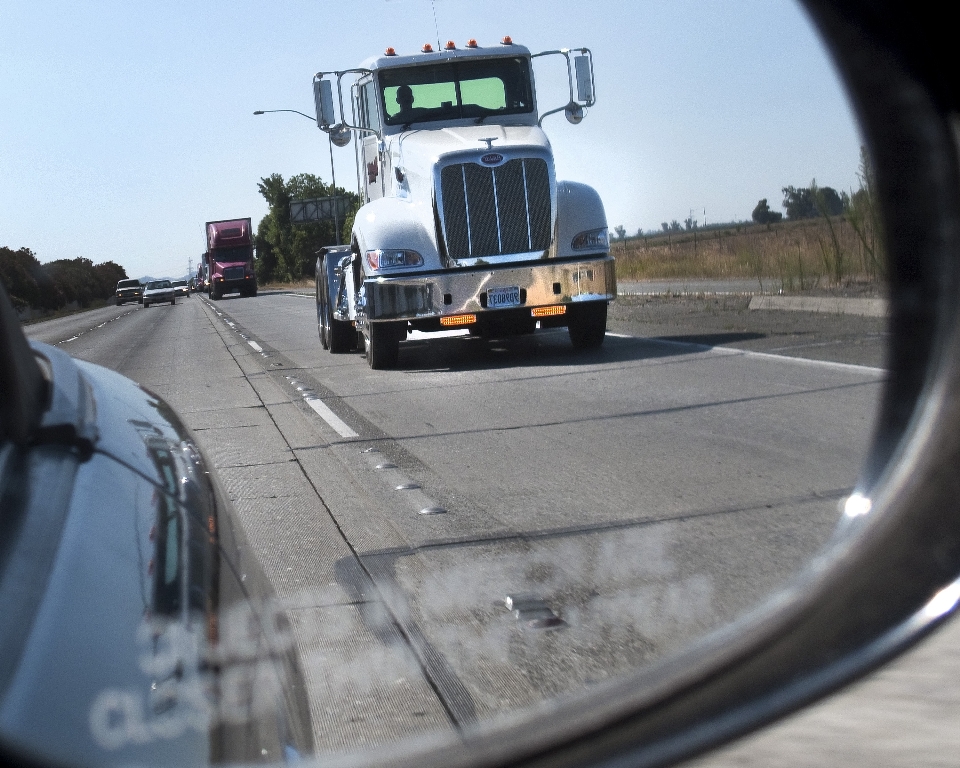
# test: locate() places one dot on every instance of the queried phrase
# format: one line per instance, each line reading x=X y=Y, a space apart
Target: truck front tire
x=587 y=324
x=383 y=345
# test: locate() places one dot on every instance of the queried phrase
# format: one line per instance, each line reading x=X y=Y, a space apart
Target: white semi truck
x=464 y=224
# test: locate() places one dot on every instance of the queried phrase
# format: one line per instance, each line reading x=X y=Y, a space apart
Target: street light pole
x=333 y=173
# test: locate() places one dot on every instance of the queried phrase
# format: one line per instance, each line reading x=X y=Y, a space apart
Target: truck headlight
x=393 y=259
x=594 y=239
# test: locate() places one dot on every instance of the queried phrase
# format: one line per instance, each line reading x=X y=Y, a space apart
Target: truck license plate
x=498 y=298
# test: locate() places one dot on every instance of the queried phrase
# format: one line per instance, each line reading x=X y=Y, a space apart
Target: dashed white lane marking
x=324 y=412
x=255 y=346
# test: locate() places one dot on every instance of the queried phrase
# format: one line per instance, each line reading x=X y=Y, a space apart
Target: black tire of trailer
x=341 y=334
x=587 y=324
x=214 y=293
x=323 y=317
x=173 y=301
x=383 y=344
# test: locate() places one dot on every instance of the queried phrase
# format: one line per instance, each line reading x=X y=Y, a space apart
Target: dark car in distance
x=129 y=290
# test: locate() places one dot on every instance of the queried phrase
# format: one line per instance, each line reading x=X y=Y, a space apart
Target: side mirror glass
x=323 y=101
x=583 y=71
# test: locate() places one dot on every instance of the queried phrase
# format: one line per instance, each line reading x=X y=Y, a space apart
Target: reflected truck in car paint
x=137 y=625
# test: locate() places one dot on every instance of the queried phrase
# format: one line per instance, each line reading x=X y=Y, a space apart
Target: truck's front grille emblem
x=493 y=211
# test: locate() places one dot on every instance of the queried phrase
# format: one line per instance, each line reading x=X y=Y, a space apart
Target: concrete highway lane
x=497 y=523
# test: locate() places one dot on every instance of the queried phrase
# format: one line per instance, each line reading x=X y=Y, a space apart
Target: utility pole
x=693 y=226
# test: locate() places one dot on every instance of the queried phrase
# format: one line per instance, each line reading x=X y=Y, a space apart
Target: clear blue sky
x=125 y=125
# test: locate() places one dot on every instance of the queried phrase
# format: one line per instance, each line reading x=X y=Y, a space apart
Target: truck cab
x=227 y=265
x=464 y=223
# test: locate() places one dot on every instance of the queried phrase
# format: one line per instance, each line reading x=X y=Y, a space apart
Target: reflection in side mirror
x=574 y=113
x=340 y=135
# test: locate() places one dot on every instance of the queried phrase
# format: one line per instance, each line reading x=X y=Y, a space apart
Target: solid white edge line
x=324 y=412
x=256 y=346
x=805 y=361
x=724 y=351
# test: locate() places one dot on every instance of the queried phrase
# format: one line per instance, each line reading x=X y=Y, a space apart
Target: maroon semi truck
x=227 y=266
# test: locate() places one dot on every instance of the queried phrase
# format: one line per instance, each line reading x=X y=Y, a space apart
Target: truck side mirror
x=583 y=69
x=574 y=113
x=323 y=101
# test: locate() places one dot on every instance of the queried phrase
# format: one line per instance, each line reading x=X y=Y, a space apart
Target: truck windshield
x=227 y=255
x=456 y=89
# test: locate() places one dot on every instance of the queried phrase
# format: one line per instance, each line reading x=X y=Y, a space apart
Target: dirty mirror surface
x=497 y=522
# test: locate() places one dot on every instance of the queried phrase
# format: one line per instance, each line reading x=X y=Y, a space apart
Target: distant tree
x=802 y=204
x=26 y=281
x=51 y=286
x=690 y=223
x=666 y=227
x=675 y=226
x=798 y=203
x=266 y=264
x=621 y=231
x=829 y=202
x=76 y=280
x=285 y=251
x=640 y=232
x=108 y=274
x=763 y=215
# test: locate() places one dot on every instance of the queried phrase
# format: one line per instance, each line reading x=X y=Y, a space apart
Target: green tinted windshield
x=456 y=89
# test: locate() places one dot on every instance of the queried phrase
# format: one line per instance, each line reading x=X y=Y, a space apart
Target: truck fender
x=579 y=209
x=398 y=223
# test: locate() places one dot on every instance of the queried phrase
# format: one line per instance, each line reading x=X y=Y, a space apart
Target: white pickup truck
x=464 y=224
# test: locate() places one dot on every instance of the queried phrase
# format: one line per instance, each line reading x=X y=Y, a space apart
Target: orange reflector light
x=458 y=320
x=390 y=52
x=471 y=43
x=558 y=309
x=507 y=40
x=427 y=48
x=451 y=46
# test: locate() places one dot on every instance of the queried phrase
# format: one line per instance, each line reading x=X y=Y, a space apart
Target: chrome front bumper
x=465 y=291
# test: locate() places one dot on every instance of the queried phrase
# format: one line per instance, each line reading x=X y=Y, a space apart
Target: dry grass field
x=810 y=254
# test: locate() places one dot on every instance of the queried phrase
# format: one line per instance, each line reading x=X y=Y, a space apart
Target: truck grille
x=233 y=273
x=493 y=211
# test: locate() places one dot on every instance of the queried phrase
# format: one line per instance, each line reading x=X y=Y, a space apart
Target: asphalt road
x=495 y=524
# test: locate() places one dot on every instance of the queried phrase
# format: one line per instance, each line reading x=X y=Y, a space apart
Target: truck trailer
x=227 y=265
x=463 y=222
